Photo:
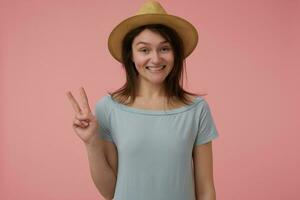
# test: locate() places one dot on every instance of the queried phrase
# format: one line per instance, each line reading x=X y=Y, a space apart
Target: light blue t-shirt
x=155 y=147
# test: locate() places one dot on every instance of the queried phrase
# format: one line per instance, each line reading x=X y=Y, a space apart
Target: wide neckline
x=156 y=112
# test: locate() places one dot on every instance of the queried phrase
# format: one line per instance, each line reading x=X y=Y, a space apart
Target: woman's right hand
x=85 y=123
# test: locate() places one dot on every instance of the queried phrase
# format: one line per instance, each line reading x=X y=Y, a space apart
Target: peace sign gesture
x=85 y=123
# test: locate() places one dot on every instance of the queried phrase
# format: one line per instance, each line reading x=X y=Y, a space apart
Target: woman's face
x=153 y=56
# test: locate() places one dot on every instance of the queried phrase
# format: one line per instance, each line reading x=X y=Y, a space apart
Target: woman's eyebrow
x=165 y=41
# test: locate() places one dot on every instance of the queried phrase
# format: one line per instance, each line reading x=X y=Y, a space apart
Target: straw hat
x=152 y=12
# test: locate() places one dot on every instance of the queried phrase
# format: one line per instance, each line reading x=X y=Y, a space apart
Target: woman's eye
x=144 y=50
x=165 y=48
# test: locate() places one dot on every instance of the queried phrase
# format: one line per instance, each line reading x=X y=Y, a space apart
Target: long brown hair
x=174 y=80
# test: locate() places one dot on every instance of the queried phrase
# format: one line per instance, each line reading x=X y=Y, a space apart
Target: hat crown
x=151 y=7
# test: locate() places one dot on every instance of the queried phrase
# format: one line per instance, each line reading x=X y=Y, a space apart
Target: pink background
x=247 y=60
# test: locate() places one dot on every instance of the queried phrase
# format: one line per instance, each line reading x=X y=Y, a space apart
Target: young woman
x=150 y=139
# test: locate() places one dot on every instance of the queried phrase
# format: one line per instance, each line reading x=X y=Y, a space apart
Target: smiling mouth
x=155 y=69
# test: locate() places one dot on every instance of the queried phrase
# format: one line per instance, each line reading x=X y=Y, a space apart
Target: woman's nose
x=155 y=57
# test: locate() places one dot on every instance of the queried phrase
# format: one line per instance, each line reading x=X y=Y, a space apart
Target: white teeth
x=155 y=68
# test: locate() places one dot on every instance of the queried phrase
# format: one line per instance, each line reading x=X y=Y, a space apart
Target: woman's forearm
x=101 y=173
x=207 y=196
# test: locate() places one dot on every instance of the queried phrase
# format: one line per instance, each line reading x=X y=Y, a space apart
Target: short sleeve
x=207 y=130
x=102 y=111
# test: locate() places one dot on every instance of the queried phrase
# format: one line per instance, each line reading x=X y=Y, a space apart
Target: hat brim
x=184 y=29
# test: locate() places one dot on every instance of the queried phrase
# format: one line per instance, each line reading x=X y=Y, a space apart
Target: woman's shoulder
x=192 y=98
x=103 y=103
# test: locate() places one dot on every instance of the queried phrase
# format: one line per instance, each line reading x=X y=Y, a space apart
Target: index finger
x=74 y=103
x=84 y=99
